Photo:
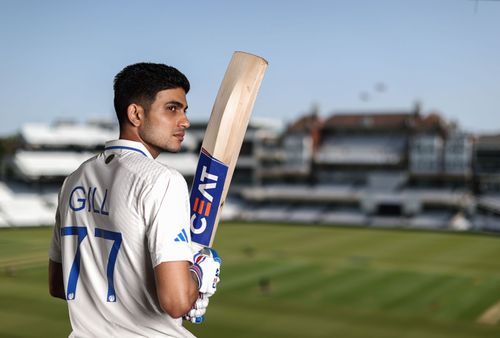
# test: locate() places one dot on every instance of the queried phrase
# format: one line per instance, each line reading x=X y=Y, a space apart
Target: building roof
x=306 y=123
x=430 y=122
x=385 y=121
x=370 y=121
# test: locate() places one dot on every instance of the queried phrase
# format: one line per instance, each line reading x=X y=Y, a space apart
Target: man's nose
x=184 y=123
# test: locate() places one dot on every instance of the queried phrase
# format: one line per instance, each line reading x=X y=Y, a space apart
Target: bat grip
x=197 y=247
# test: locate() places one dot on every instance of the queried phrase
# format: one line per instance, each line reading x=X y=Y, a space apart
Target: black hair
x=139 y=83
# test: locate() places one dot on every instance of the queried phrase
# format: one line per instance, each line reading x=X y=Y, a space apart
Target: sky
x=58 y=58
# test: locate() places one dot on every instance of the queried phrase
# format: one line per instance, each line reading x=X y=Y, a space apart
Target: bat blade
x=222 y=143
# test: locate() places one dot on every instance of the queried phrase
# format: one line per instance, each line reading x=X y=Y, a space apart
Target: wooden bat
x=222 y=143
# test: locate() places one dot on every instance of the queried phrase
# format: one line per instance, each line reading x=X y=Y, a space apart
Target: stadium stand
x=185 y=162
x=426 y=154
x=343 y=217
x=388 y=221
x=487 y=164
x=430 y=220
x=458 y=154
x=3 y=222
x=488 y=222
x=459 y=222
x=386 y=181
x=232 y=210
x=34 y=165
x=22 y=206
x=402 y=169
x=490 y=202
x=444 y=197
x=5 y=192
x=5 y=195
x=294 y=193
x=66 y=134
x=354 y=149
x=306 y=213
x=27 y=211
x=277 y=212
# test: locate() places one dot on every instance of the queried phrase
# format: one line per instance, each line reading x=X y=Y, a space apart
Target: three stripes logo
x=182 y=237
x=206 y=194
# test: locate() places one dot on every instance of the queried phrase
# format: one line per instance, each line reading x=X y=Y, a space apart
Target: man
x=120 y=253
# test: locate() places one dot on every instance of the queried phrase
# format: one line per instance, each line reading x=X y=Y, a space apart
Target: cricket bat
x=222 y=143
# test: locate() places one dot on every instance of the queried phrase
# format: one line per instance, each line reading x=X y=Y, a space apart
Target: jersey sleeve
x=168 y=234
x=55 y=245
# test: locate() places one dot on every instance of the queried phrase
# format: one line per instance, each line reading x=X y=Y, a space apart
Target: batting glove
x=195 y=315
x=206 y=267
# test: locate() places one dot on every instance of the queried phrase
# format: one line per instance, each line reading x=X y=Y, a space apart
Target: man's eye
x=172 y=108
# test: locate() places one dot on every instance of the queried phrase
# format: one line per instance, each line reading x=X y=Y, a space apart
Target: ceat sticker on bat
x=205 y=198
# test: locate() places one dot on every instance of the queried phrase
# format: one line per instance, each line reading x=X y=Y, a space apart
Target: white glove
x=206 y=267
x=195 y=315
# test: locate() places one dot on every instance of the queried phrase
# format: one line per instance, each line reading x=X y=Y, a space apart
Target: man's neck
x=130 y=136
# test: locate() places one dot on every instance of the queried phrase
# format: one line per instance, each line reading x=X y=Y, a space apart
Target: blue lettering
x=93 y=202
x=81 y=200
x=208 y=186
x=88 y=198
x=104 y=212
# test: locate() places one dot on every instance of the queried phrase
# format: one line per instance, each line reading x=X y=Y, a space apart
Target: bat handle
x=197 y=247
x=195 y=320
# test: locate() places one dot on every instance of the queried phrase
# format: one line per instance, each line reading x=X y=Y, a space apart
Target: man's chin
x=171 y=149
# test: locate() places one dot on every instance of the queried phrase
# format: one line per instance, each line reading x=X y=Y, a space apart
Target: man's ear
x=135 y=114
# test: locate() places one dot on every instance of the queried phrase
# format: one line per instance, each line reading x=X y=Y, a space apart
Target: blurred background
x=366 y=200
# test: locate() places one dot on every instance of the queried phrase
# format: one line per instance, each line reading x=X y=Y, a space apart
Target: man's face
x=165 y=122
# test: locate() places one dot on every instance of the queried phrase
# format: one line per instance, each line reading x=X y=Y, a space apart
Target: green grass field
x=300 y=281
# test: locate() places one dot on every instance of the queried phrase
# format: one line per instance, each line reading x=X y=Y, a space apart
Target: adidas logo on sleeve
x=182 y=237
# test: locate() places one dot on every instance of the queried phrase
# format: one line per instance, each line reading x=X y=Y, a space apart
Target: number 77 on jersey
x=222 y=143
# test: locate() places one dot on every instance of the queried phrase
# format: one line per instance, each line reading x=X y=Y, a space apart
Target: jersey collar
x=120 y=146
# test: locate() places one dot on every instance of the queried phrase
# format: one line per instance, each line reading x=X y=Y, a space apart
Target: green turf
x=300 y=281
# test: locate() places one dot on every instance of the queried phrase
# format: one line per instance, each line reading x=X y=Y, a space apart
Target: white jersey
x=119 y=215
